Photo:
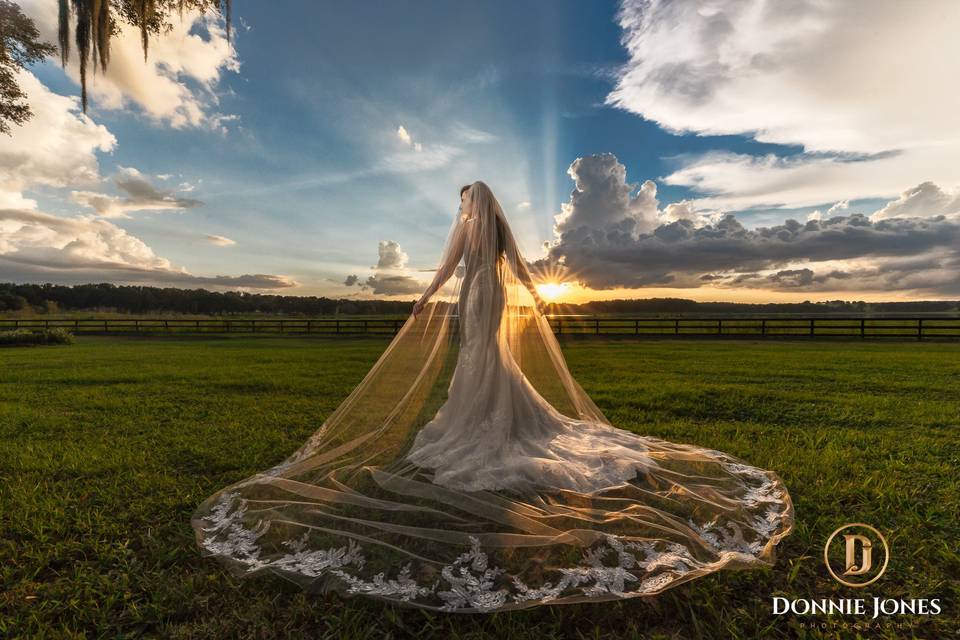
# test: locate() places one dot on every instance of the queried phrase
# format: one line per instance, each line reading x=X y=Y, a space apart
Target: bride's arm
x=449 y=265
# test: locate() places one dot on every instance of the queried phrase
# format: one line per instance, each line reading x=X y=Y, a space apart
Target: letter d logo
x=864 y=539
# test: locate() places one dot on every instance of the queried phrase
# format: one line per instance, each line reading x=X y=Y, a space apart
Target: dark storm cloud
x=678 y=254
x=598 y=239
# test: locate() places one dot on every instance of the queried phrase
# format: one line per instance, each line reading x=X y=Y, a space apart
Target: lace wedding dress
x=496 y=432
x=469 y=471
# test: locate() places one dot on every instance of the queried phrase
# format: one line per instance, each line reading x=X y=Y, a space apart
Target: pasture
x=107 y=446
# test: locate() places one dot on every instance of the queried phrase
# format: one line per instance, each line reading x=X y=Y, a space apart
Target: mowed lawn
x=107 y=446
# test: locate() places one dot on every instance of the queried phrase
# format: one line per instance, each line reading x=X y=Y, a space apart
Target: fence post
x=862 y=328
x=676 y=326
x=338 y=325
x=596 y=326
x=636 y=327
x=811 y=326
x=763 y=327
x=919 y=328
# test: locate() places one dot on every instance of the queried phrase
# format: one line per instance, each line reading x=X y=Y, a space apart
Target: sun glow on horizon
x=552 y=290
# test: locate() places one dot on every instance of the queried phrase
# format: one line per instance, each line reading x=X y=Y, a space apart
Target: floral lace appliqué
x=612 y=567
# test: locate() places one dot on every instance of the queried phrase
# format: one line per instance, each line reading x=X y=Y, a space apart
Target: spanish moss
x=95 y=23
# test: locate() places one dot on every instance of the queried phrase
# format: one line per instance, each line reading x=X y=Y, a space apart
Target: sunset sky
x=740 y=151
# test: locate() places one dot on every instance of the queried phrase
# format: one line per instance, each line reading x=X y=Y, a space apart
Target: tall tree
x=96 y=22
x=20 y=45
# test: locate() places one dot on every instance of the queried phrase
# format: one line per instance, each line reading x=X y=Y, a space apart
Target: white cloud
x=407 y=140
x=37 y=246
x=924 y=200
x=220 y=241
x=178 y=83
x=391 y=255
x=603 y=199
x=865 y=88
x=57 y=147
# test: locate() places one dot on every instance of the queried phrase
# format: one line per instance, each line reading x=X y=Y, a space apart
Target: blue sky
x=333 y=138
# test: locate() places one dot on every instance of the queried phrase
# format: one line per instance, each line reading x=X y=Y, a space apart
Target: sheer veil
x=349 y=512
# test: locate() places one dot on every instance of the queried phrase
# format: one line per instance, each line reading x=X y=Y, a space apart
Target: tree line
x=137 y=299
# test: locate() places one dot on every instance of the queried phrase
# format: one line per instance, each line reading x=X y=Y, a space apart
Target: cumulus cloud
x=600 y=243
x=391 y=255
x=601 y=199
x=605 y=205
x=57 y=147
x=179 y=82
x=37 y=246
x=867 y=99
x=140 y=195
x=926 y=199
x=390 y=275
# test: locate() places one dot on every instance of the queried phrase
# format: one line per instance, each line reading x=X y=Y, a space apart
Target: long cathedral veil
x=348 y=512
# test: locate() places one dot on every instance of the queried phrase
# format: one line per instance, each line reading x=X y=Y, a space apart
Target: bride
x=469 y=472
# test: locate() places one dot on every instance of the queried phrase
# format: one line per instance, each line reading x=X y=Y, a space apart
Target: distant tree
x=97 y=21
x=20 y=45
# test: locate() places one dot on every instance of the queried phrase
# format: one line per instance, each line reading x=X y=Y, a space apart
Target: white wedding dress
x=495 y=431
x=502 y=487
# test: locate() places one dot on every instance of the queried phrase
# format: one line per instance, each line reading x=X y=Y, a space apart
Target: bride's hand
x=418 y=307
x=541 y=307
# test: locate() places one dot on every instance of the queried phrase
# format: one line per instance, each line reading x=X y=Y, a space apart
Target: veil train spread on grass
x=469 y=471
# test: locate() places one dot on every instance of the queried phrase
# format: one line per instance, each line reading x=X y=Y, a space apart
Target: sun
x=552 y=290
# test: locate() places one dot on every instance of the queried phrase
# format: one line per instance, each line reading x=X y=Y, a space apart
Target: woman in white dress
x=470 y=472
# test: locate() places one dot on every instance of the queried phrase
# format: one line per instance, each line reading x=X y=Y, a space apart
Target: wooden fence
x=917 y=328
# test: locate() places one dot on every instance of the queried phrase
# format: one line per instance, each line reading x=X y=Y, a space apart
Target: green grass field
x=107 y=446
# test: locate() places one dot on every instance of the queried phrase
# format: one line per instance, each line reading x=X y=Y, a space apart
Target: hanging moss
x=95 y=22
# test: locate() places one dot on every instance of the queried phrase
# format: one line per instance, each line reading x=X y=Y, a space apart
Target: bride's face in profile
x=466 y=205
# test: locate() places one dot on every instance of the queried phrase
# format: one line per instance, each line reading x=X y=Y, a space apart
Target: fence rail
x=798 y=327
